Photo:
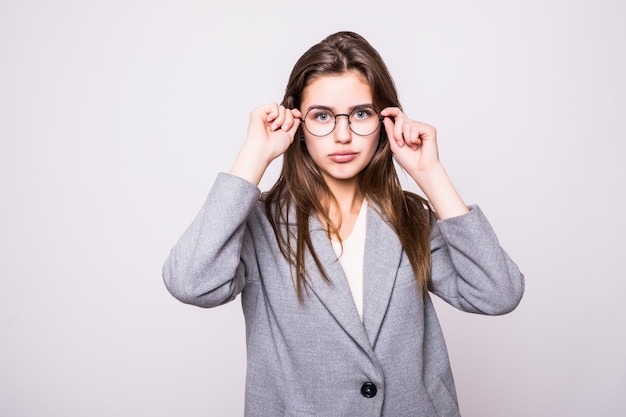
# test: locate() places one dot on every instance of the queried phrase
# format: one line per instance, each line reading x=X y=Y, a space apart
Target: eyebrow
x=334 y=110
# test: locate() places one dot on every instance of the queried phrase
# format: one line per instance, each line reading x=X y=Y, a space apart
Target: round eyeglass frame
x=380 y=119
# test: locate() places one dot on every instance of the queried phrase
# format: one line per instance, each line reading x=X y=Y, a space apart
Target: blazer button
x=368 y=390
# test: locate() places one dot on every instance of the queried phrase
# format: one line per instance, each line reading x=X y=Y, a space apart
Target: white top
x=352 y=256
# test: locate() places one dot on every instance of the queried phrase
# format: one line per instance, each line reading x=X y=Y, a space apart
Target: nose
x=343 y=134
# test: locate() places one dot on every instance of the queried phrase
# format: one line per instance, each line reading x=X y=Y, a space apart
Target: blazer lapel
x=383 y=251
x=335 y=295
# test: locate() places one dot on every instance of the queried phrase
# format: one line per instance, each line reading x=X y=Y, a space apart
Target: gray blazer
x=317 y=358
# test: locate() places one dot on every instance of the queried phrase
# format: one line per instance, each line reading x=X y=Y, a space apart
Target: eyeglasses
x=321 y=121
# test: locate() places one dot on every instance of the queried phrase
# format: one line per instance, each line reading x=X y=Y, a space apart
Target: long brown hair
x=301 y=186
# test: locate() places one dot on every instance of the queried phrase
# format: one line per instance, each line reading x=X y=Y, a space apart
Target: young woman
x=335 y=263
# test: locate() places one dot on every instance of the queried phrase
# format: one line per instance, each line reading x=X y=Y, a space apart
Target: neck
x=348 y=203
x=347 y=194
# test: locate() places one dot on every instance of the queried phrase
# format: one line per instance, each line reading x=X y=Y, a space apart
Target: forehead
x=337 y=91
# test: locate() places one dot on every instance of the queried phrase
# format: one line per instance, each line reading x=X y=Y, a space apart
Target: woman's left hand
x=414 y=144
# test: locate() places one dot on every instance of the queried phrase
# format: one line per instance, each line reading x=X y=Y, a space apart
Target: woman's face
x=342 y=154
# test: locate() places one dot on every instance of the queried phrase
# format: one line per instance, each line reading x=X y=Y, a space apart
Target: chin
x=343 y=175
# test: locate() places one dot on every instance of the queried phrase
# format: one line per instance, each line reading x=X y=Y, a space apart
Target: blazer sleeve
x=207 y=266
x=470 y=270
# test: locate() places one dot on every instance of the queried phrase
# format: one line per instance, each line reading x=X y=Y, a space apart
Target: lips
x=342 y=157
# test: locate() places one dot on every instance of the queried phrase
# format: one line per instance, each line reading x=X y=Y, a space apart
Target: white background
x=116 y=116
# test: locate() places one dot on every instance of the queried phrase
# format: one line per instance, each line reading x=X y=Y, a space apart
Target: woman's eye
x=322 y=117
x=361 y=114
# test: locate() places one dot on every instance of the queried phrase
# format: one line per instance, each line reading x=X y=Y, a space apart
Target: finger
x=395 y=146
x=289 y=120
x=391 y=112
x=411 y=135
x=393 y=115
x=398 y=131
x=406 y=135
x=280 y=119
x=390 y=128
x=293 y=127
x=295 y=122
x=271 y=112
x=429 y=132
x=296 y=113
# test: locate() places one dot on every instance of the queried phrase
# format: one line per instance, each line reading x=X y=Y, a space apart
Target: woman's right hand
x=271 y=130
